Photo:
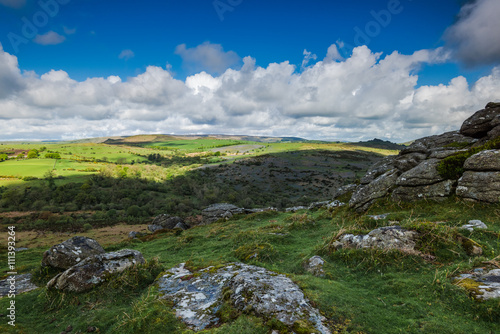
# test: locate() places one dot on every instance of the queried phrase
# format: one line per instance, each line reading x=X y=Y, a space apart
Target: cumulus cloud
x=361 y=97
x=13 y=3
x=50 y=38
x=207 y=57
x=475 y=37
x=126 y=54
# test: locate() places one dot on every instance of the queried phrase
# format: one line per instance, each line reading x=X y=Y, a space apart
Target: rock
x=485 y=161
x=94 y=270
x=493 y=105
x=325 y=204
x=483 y=121
x=315 y=266
x=408 y=161
x=480 y=186
x=135 y=235
x=426 y=144
x=168 y=222
x=16 y=285
x=391 y=237
x=219 y=211
x=379 y=217
x=474 y=224
x=424 y=174
x=435 y=191
x=70 y=252
x=378 y=169
x=269 y=209
x=441 y=153
x=481 y=285
x=380 y=187
x=154 y=228
x=250 y=289
x=295 y=208
x=494 y=133
x=344 y=190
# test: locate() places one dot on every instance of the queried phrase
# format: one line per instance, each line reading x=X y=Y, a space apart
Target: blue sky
x=90 y=39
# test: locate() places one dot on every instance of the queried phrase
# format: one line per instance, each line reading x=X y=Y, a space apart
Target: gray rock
x=380 y=187
x=344 y=190
x=219 y=211
x=269 y=209
x=154 y=228
x=315 y=266
x=485 y=161
x=70 y=252
x=168 y=222
x=424 y=174
x=378 y=169
x=488 y=284
x=250 y=289
x=135 y=235
x=379 y=217
x=441 y=153
x=435 y=191
x=409 y=161
x=325 y=204
x=474 y=224
x=426 y=144
x=483 y=121
x=391 y=237
x=480 y=186
x=16 y=285
x=295 y=208
x=94 y=270
x=494 y=133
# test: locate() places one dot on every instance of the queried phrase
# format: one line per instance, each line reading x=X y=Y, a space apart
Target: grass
x=366 y=291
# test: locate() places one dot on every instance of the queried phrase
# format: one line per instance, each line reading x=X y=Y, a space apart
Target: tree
x=49 y=176
x=4 y=157
x=33 y=154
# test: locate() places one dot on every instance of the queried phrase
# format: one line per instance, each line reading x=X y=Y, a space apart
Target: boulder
x=315 y=266
x=168 y=222
x=219 y=211
x=70 y=252
x=135 y=235
x=482 y=122
x=485 y=161
x=480 y=186
x=17 y=284
x=474 y=224
x=408 y=161
x=380 y=187
x=435 y=191
x=391 y=237
x=94 y=270
x=378 y=169
x=482 y=284
x=424 y=174
x=250 y=289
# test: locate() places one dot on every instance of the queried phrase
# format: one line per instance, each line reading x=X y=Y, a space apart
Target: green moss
x=470 y=285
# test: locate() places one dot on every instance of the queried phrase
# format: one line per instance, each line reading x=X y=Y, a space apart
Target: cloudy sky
x=319 y=69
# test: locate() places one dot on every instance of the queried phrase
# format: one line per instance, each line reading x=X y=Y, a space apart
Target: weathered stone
x=154 y=228
x=391 y=237
x=441 y=153
x=426 y=144
x=434 y=191
x=380 y=187
x=480 y=284
x=94 y=270
x=219 y=211
x=250 y=289
x=315 y=266
x=326 y=204
x=493 y=105
x=168 y=222
x=485 y=161
x=135 y=235
x=295 y=208
x=378 y=169
x=269 y=209
x=483 y=121
x=16 y=285
x=344 y=190
x=70 y=252
x=408 y=161
x=494 y=133
x=480 y=186
x=424 y=174
x=474 y=224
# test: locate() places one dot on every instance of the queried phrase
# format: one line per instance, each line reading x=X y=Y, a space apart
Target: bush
x=134 y=211
x=87 y=227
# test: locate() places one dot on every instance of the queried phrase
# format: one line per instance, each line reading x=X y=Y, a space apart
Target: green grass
x=364 y=290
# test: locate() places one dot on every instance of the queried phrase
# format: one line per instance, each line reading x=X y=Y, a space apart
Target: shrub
x=87 y=227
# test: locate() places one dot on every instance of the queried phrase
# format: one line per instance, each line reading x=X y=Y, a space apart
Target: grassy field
x=364 y=291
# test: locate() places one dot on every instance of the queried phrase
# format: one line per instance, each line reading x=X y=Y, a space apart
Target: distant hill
x=378 y=143
x=161 y=138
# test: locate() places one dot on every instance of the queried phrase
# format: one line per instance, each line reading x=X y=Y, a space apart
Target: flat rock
x=70 y=252
x=16 y=284
x=480 y=186
x=485 y=161
x=435 y=191
x=250 y=289
x=424 y=174
x=391 y=237
x=94 y=270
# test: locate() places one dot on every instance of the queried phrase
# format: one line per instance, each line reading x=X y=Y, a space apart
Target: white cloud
x=50 y=38
x=475 y=37
x=365 y=96
x=126 y=54
x=69 y=31
x=207 y=57
x=13 y=3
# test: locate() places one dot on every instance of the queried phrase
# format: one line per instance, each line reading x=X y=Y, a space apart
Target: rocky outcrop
x=219 y=211
x=250 y=289
x=70 y=252
x=392 y=237
x=94 y=270
x=414 y=173
x=167 y=222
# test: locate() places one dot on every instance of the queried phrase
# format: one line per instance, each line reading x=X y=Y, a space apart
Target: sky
x=344 y=70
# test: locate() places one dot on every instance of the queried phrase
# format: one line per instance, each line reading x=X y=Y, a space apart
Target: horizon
x=394 y=70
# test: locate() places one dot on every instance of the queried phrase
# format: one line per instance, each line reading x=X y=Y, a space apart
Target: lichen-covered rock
x=424 y=174
x=481 y=284
x=474 y=224
x=250 y=289
x=485 y=161
x=70 y=252
x=315 y=266
x=380 y=187
x=219 y=211
x=409 y=161
x=344 y=190
x=483 y=121
x=378 y=169
x=94 y=270
x=16 y=285
x=325 y=204
x=391 y=237
x=480 y=186
x=435 y=191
